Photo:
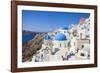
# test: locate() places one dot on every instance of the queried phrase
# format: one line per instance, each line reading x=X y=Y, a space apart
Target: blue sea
x=26 y=38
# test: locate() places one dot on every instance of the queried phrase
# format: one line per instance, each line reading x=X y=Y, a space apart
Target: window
x=60 y=44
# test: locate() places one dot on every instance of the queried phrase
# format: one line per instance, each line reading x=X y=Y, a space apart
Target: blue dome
x=60 y=37
x=47 y=37
x=65 y=28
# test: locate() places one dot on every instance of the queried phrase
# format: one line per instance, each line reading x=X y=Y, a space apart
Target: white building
x=83 y=29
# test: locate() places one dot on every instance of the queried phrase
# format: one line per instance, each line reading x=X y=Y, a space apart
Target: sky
x=45 y=21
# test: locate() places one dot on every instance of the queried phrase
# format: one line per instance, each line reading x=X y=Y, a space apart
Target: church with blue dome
x=60 y=37
x=57 y=39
